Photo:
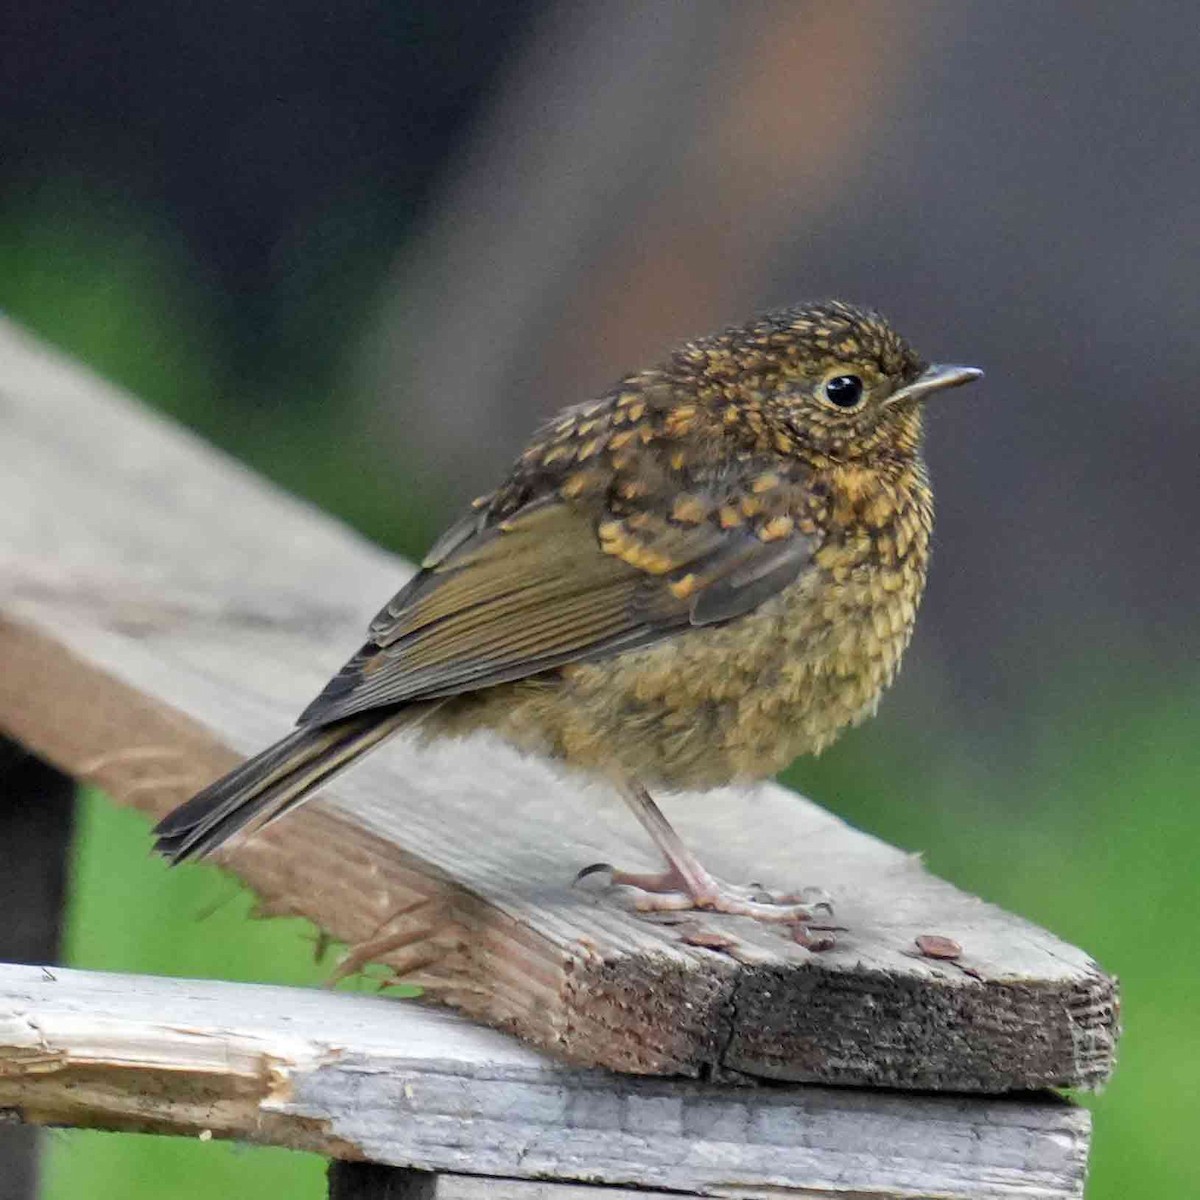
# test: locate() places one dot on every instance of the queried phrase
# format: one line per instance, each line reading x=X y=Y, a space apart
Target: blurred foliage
x=1089 y=828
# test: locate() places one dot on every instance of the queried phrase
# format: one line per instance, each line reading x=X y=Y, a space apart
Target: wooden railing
x=163 y=612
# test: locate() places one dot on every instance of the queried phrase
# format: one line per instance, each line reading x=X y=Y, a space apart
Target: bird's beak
x=935 y=378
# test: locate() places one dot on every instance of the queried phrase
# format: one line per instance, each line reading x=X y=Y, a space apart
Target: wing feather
x=549 y=585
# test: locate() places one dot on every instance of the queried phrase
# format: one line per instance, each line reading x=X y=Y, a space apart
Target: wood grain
x=162 y=612
x=393 y=1083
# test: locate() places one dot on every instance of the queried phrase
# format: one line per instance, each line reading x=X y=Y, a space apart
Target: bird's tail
x=274 y=782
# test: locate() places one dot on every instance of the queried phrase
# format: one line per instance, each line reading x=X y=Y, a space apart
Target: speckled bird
x=710 y=570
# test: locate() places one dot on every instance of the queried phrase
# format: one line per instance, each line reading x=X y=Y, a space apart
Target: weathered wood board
x=162 y=612
x=395 y=1083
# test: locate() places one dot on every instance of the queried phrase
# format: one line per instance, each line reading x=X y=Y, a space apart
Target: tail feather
x=274 y=782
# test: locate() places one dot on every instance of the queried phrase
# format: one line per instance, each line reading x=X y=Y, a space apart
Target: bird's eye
x=844 y=390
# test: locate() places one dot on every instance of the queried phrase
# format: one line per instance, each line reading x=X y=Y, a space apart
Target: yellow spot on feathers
x=689 y=510
x=776 y=528
x=680 y=420
x=681 y=589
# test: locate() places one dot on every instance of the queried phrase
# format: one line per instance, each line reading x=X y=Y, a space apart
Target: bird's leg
x=686 y=884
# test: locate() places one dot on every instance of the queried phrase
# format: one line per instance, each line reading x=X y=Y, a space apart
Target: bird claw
x=585 y=876
x=666 y=897
x=669 y=892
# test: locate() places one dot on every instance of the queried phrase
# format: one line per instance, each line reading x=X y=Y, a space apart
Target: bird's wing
x=554 y=583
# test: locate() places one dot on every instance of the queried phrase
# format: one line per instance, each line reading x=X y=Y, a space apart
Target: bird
x=690 y=581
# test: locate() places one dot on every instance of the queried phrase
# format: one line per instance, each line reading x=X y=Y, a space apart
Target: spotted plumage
x=705 y=572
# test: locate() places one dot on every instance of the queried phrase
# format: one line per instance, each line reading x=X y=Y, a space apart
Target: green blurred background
x=365 y=248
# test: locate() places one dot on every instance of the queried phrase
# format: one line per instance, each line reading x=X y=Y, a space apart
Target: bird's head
x=825 y=380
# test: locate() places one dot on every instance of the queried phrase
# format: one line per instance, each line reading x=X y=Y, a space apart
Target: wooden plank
x=391 y=1082
x=162 y=612
x=37 y=810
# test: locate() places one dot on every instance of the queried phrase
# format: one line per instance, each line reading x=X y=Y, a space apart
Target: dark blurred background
x=366 y=246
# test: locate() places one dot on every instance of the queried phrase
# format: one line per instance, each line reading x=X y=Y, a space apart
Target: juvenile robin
x=710 y=570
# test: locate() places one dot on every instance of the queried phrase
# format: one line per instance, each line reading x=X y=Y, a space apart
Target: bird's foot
x=685 y=886
x=673 y=890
